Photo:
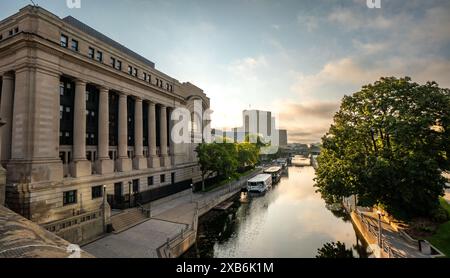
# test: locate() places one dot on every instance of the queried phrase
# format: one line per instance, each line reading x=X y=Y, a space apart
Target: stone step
x=127 y=219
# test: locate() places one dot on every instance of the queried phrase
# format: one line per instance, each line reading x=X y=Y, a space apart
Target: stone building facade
x=83 y=112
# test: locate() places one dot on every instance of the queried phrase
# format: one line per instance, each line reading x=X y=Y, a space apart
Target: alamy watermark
x=73 y=4
x=195 y=127
x=374 y=4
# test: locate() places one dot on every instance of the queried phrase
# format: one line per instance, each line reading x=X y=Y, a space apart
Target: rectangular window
x=130 y=70
x=162 y=178
x=1 y=37
x=145 y=76
x=150 y=181
x=113 y=62
x=99 y=56
x=74 y=45
x=11 y=32
x=97 y=192
x=119 y=65
x=135 y=72
x=69 y=197
x=16 y=30
x=64 y=40
x=91 y=52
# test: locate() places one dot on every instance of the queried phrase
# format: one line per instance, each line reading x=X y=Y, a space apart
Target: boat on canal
x=275 y=172
x=259 y=183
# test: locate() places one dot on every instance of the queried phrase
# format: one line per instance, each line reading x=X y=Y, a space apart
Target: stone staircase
x=127 y=219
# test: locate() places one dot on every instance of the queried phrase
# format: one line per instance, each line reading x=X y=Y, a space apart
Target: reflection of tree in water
x=341 y=213
x=334 y=250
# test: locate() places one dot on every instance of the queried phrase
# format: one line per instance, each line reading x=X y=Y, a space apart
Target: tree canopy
x=224 y=159
x=389 y=144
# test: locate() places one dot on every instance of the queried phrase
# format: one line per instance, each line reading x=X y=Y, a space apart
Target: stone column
x=80 y=165
x=6 y=115
x=124 y=162
x=139 y=161
x=153 y=159
x=165 y=159
x=104 y=164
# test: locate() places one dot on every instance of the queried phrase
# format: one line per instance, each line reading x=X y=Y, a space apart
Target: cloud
x=306 y=122
x=310 y=22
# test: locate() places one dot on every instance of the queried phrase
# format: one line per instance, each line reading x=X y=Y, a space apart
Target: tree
x=247 y=154
x=216 y=158
x=389 y=144
x=334 y=250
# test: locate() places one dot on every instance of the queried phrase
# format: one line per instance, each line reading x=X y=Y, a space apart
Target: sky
x=296 y=58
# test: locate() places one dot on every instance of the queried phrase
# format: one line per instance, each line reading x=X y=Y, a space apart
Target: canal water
x=290 y=220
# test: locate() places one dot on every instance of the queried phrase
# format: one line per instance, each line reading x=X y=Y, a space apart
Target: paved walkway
x=400 y=246
x=168 y=217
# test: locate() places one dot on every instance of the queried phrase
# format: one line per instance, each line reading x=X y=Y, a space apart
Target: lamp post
x=129 y=194
x=192 y=192
x=379 y=228
x=104 y=208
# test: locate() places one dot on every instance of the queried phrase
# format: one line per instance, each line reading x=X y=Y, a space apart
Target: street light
x=192 y=192
x=129 y=194
x=379 y=228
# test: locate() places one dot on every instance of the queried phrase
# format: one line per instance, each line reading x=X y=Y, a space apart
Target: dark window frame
x=99 y=56
x=91 y=55
x=69 y=197
x=96 y=192
x=150 y=181
x=66 y=43
x=162 y=178
x=74 y=45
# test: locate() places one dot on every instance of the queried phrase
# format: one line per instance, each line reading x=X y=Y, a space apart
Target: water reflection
x=291 y=220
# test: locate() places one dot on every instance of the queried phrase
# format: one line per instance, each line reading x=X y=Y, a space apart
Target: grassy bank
x=225 y=181
x=441 y=239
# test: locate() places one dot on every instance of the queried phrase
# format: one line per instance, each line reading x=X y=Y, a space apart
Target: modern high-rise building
x=85 y=117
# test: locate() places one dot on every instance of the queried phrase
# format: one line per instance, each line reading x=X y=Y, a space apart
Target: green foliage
x=389 y=144
x=334 y=250
x=441 y=239
x=223 y=159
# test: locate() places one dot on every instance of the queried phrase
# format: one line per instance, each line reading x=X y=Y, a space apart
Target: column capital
x=103 y=89
x=80 y=82
x=163 y=106
x=122 y=95
x=9 y=75
x=138 y=99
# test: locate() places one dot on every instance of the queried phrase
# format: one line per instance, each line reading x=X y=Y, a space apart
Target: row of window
x=11 y=32
x=70 y=197
x=115 y=63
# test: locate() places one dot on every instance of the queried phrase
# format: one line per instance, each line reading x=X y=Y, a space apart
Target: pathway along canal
x=290 y=220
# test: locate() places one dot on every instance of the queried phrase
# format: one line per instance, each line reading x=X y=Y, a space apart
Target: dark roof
x=94 y=33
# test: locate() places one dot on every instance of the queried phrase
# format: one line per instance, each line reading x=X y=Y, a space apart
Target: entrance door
x=118 y=192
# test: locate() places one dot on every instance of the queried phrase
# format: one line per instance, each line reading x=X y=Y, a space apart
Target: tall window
x=113 y=62
x=64 y=40
x=92 y=94
x=130 y=70
x=66 y=100
x=119 y=65
x=162 y=178
x=99 y=56
x=74 y=45
x=113 y=119
x=135 y=72
x=150 y=181
x=69 y=197
x=91 y=52
x=130 y=118
x=145 y=76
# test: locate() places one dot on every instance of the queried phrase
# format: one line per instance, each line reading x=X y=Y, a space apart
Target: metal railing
x=59 y=225
x=373 y=230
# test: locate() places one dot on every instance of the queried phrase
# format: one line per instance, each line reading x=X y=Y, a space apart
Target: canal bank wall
x=181 y=242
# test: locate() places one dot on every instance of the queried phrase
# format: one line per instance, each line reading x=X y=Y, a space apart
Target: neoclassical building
x=85 y=115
